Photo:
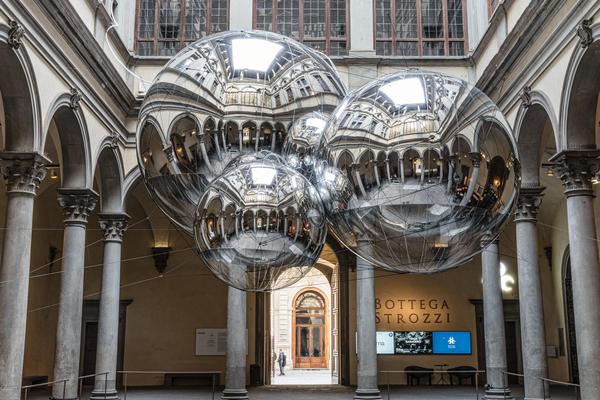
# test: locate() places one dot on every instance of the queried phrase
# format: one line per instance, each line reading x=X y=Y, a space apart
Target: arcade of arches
x=94 y=279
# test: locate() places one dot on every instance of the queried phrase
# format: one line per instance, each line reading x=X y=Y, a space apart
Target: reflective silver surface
x=417 y=168
x=228 y=94
x=302 y=142
x=260 y=226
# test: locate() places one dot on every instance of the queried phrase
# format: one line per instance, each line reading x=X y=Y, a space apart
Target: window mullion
x=156 y=26
x=419 y=28
x=327 y=26
x=182 y=11
x=445 y=28
x=393 y=22
x=300 y=20
x=208 y=17
x=274 y=15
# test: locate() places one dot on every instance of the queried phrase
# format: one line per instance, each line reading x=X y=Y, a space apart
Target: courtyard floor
x=332 y=392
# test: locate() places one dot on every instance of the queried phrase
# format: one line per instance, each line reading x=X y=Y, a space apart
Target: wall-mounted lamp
x=53 y=171
x=161 y=256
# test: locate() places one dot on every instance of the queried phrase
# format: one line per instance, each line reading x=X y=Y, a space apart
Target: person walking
x=281 y=360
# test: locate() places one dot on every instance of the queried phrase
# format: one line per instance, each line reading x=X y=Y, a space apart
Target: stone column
x=575 y=169
x=366 y=352
x=533 y=333
x=113 y=226
x=493 y=318
x=23 y=173
x=77 y=204
x=235 y=378
x=476 y=159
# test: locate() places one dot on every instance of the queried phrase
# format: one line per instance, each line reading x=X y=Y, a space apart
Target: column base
x=498 y=394
x=367 y=394
x=64 y=398
x=100 y=395
x=234 y=394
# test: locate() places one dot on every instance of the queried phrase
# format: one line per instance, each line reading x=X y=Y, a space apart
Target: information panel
x=385 y=343
x=451 y=342
x=423 y=342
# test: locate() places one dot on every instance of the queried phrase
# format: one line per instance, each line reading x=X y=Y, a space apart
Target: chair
x=461 y=373
x=414 y=372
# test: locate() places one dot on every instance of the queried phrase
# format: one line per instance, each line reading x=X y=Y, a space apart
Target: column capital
x=530 y=199
x=475 y=158
x=23 y=171
x=77 y=204
x=576 y=168
x=488 y=239
x=113 y=225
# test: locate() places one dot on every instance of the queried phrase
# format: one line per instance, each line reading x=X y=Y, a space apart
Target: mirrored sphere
x=228 y=94
x=260 y=226
x=419 y=168
x=302 y=142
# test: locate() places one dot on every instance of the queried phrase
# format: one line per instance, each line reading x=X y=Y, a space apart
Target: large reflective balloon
x=418 y=168
x=302 y=142
x=260 y=226
x=231 y=93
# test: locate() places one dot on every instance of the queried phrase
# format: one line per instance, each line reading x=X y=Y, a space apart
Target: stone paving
x=304 y=377
x=331 y=392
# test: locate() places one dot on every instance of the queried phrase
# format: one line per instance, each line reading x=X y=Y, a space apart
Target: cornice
x=516 y=43
x=69 y=23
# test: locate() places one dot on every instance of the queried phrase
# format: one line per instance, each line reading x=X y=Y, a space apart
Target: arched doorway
x=310 y=330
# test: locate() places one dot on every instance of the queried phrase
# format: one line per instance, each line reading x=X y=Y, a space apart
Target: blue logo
x=451 y=342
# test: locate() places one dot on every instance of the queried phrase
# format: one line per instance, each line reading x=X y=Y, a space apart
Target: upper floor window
x=166 y=26
x=413 y=28
x=321 y=24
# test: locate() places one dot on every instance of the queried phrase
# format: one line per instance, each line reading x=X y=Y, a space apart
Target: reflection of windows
x=166 y=26
x=492 y=5
x=322 y=82
x=420 y=28
x=304 y=87
x=358 y=121
x=320 y=24
x=290 y=94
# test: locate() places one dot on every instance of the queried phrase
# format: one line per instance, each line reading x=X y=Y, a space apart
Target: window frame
x=328 y=39
x=155 y=40
x=419 y=40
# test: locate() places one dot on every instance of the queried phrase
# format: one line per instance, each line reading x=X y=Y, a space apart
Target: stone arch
x=580 y=97
x=531 y=129
x=72 y=142
x=19 y=98
x=109 y=172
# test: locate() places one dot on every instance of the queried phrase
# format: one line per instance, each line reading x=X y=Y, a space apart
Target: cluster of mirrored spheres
x=248 y=142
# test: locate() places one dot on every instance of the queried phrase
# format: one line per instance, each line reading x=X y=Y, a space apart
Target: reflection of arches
x=153 y=158
x=280 y=132
x=570 y=317
x=233 y=136
x=310 y=336
x=412 y=164
x=266 y=137
x=249 y=134
x=184 y=143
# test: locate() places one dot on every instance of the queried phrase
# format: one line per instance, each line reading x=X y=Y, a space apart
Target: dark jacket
x=281 y=359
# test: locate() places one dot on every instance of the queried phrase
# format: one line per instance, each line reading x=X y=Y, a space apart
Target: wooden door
x=310 y=331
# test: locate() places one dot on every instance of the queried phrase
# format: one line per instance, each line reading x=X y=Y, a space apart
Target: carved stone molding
x=576 y=168
x=114 y=140
x=77 y=204
x=23 y=172
x=113 y=226
x=75 y=99
x=528 y=204
x=525 y=97
x=584 y=32
x=475 y=158
x=15 y=35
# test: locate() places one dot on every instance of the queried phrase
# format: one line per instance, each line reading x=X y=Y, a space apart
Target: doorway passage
x=301 y=326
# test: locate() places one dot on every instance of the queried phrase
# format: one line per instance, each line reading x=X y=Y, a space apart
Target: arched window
x=414 y=28
x=321 y=24
x=166 y=26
